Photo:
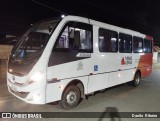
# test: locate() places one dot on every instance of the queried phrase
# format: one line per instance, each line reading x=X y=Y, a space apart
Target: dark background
x=138 y=15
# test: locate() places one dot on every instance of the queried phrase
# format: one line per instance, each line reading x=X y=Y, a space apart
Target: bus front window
x=30 y=47
x=33 y=42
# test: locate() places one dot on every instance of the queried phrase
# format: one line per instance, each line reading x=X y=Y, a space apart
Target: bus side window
x=108 y=40
x=62 y=41
x=147 y=46
x=74 y=40
x=137 y=44
x=75 y=37
x=125 y=43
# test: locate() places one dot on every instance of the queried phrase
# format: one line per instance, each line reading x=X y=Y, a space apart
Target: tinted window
x=125 y=43
x=108 y=40
x=73 y=43
x=34 y=41
x=137 y=45
x=147 y=46
x=75 y=37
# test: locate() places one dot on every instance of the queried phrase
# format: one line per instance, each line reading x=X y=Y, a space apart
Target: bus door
x=71 y=54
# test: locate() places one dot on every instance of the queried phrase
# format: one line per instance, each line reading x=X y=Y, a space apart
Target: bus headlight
x=36 y=97
x=38 y=76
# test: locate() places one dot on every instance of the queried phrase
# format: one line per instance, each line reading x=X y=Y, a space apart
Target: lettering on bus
x=126 y=60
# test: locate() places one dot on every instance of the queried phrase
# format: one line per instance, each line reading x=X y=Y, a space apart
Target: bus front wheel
x=70 y=97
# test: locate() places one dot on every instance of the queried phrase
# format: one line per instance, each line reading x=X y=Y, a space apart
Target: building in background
x=7 y=39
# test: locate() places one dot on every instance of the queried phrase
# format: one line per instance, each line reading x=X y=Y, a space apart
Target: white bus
x=65 y=60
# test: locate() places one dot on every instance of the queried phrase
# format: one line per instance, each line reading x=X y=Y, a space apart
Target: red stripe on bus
x=145 y=64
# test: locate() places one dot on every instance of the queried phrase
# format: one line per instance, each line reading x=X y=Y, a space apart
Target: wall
x=5 y=51
x=155 y=57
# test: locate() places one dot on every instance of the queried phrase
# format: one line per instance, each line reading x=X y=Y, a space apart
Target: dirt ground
x=3 y=69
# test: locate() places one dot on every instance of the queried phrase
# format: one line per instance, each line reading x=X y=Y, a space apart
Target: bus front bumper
x=28 y=93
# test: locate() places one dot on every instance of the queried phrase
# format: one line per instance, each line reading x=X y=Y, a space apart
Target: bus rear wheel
x=70 y=98
x=136 y=81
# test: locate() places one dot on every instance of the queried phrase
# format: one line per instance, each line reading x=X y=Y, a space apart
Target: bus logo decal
x=122 y=61
x=126 y=60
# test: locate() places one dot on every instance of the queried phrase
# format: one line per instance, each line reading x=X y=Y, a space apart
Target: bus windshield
x=33 y=42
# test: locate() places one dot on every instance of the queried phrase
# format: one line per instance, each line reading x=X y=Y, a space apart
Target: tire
x=70 y=97
x=136 y=81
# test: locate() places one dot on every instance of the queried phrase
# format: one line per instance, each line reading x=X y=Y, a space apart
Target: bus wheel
x=136 y=81
x=70 y=98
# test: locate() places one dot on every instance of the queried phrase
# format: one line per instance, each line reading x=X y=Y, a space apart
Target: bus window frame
x=151 y=42
x=104 y=29
x=119 y=42
x=72 y=24
x=133 y=44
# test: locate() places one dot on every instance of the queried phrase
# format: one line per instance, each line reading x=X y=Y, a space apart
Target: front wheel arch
x=79 y=87
x=77 y=83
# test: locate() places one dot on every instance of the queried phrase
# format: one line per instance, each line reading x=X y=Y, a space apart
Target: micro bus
x=66 y=60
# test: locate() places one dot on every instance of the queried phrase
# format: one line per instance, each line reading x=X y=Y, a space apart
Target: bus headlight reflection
x=36 y=97
x=38 y=76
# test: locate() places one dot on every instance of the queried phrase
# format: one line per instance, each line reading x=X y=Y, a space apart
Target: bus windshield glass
x=33 y=42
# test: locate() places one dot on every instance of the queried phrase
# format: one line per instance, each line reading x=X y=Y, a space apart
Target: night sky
x=139 y=15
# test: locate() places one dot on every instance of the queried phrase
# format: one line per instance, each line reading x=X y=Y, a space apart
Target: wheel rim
x=137 y=80
x=71 y=97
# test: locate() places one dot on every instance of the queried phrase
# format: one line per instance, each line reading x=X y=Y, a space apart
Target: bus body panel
x=36 y=96
x=145 y=64
x=99 y=70
x=33 y=93
x=55 y=90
